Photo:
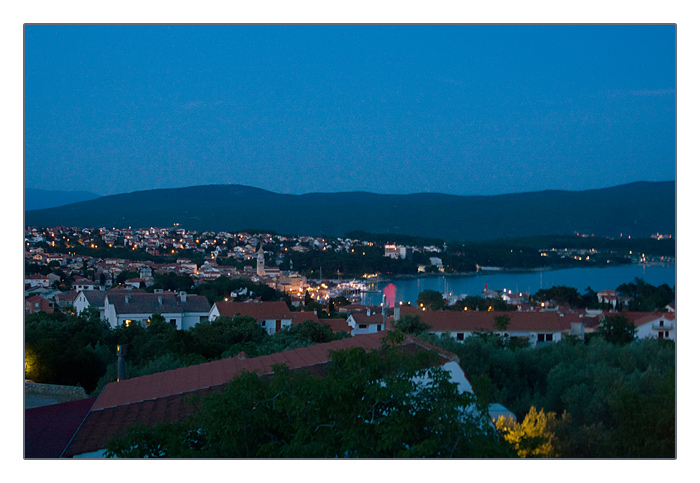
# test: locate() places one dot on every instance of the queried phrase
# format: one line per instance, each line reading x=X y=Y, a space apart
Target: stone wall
x=36 y=395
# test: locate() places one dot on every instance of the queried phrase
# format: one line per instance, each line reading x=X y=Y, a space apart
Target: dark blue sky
x=455 y=109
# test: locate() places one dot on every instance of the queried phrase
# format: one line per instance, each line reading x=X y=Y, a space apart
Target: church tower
x=261 y=262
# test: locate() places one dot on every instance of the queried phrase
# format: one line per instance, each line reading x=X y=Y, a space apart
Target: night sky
x=459 y=109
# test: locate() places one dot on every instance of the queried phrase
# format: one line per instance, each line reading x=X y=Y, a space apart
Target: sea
x=605 y=278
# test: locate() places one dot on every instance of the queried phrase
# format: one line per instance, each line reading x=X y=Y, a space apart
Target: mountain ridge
x=638 y=209
x=36 y=199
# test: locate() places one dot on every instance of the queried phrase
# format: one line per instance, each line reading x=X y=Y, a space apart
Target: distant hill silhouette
x=638 y=209
x=35 y=199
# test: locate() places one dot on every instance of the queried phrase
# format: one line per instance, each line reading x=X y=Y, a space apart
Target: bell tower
x=261 y=262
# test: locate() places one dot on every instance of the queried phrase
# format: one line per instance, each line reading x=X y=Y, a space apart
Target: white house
x=538 y=328
x=608 y=297
x=90 y=298
x=182 y=310
x=83 y=284
x=37 y=280
x=366 y=322
x=656 y=325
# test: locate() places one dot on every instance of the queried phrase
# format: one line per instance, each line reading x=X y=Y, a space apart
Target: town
x=60 y=260
x=159 y=278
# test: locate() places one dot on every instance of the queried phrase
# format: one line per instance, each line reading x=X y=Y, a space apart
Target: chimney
x=121 y=362
x=127 y=298
x=368 y=312
x=183 y=296
x=397 y=312
x=160 y=300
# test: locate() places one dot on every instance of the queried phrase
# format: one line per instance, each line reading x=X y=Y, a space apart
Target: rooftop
x=162 y=397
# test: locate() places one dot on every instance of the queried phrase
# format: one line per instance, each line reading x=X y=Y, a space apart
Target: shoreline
x=388 y=278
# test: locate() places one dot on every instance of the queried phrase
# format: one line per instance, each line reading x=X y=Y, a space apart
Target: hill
x=35 y=199
x=637 y=209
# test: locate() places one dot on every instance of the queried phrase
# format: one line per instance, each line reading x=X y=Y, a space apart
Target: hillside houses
x=537 y=328
x=182 y=310
x=37 y=303
x=90 y=299
x=272 y=316
x=654 y=325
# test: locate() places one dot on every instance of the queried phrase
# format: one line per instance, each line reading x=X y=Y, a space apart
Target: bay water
x=605 y=278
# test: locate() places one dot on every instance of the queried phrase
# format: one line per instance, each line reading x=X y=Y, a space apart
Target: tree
x=501 y=322
x=411 y=324
x=125 y=275
x=616 y=329
x=171 y=281
x=431 y=299
x=376 y=404
x=212 y=338
x=534 y=437
x=561 y=295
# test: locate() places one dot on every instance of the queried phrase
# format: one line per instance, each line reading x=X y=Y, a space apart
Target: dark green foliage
x=646 y=297
x=431 y=299
x=212 y=338
x=473 y=302
x=501 y=322
x=222 y=287
x=411 y=324
x=125 y=275
x=617 y=329
x=368 y=405
x=561 y=295
x=171 y=281
x=70 y=350
x=65 y=349
x=619 y=400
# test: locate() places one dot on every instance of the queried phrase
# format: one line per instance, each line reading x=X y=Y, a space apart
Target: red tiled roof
x=49 y=429
x=362 y=318
x=469 y=321
x=161 y=397
x=150 y=303
x=648 y=317
x=257 y=310
x=300 y=317
x=337 y=325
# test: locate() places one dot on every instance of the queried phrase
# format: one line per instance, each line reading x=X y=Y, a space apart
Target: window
x=548 y=337
x=363 y=326
x=262 y=323
x=379 y=327
x=460 y=335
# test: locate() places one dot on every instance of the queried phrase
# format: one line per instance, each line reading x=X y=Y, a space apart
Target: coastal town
x=137 y=279
x=64 y=276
